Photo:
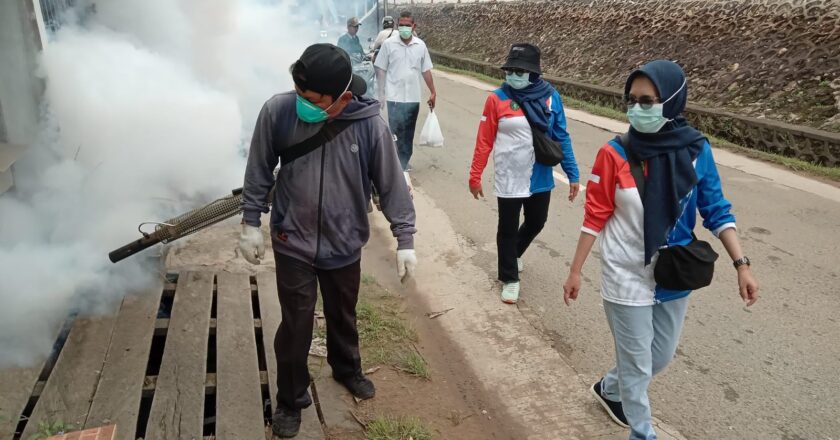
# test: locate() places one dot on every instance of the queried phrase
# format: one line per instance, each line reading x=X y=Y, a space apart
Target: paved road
x=769 y=372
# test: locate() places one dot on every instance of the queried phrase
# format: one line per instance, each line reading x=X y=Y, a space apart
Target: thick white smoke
x=148 y=107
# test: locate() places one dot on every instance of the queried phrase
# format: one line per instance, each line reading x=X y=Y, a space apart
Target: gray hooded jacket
x=319 y=212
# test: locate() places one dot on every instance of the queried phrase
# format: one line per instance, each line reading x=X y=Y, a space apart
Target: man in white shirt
x=400 y=64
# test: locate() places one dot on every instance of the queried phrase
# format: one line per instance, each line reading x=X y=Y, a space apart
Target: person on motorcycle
x=386 y=33
x=350 y=41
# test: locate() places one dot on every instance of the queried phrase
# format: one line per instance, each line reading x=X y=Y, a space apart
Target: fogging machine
x=183 y=225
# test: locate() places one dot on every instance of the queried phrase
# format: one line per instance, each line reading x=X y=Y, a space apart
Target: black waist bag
x=688 y=267
x=547 y=151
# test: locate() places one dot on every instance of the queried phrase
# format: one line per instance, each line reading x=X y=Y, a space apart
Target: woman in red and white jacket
x=521 y=183
x=680 y=178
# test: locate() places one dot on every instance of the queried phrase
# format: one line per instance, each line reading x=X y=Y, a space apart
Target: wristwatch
x=741 y=261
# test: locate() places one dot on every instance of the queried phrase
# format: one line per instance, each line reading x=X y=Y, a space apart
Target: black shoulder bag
x=547 y=151
x=327 y=133
x=688 y=267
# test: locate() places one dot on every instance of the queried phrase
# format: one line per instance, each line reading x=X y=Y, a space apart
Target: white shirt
x=383 y=35
x=403 y=65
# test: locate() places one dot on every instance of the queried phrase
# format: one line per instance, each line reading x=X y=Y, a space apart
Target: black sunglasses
x=517 y=71
x=646 y=101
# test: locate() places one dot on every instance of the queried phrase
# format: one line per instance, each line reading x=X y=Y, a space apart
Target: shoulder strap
x=327 y=133
x=530 y=123
x=635 y=164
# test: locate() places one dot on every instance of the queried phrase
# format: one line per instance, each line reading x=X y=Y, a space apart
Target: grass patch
x=594 y=109
x=414 y=364
x=385 y=336
x=49 y=428
x=793 y=164
x=368 y=279
x=479 y=76
x=403 y=428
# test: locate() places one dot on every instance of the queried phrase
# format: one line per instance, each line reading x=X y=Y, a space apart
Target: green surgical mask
x=311 y=113
x=405 y=32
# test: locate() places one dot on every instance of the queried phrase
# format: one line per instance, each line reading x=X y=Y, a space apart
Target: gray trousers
x=646 y=338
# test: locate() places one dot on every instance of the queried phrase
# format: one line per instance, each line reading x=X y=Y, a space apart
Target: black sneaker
x=358 y=385
x=285 y=423
x=614 y=409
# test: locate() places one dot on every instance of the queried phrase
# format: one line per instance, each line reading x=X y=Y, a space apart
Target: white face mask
x=518 y=81
x=650 y=120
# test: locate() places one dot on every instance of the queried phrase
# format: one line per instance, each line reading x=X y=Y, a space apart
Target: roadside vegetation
x=50 y=428
x=385 y=336
x=387 y=340
x=403 y=428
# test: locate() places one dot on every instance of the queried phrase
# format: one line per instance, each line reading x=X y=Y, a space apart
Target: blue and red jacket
x=504 y=130
x=614 y=212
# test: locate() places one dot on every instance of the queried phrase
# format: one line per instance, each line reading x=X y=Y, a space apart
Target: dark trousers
x=297 y=287
x=512 y=240
x=402 y=117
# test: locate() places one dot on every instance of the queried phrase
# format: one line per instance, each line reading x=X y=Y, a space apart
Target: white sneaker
x=520 y=265
x=510 y=293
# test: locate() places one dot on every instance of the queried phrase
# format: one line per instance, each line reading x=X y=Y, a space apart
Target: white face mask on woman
x=649 y=118
x=518 y=80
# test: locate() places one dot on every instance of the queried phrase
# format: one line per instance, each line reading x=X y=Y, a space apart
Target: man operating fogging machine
x=331 y=143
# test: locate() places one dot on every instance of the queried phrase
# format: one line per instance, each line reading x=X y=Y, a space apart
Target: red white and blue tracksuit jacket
x=505 y=131
x=614 y=212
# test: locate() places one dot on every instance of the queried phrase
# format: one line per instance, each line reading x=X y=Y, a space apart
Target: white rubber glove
x=406 y=263
x=410 y=185
x=251 y=244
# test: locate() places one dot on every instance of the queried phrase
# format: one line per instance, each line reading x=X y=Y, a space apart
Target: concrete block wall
x=767 y=59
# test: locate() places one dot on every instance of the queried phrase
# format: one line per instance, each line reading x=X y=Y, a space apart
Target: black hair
x=298 y=75
x=407 y=14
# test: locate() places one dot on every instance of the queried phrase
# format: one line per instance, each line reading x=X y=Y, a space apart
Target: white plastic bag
x=431 y=135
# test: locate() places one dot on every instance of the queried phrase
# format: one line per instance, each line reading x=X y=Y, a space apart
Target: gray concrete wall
x=768 y=59
x=20 y=89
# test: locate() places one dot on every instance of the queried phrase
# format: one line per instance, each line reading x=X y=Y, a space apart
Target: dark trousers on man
x=402 y=118
x=297 y=287
x=512 y=240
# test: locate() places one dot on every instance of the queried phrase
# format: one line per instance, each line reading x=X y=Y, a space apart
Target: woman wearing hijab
x=525 y=102
x=645 y=189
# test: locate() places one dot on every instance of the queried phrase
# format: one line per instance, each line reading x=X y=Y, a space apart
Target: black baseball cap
x=325 y=68
x=524 y=56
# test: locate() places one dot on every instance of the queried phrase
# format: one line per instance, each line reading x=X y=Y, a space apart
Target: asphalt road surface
x=768 y=372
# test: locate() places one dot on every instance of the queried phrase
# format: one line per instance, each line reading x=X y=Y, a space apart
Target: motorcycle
x=363 y=67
